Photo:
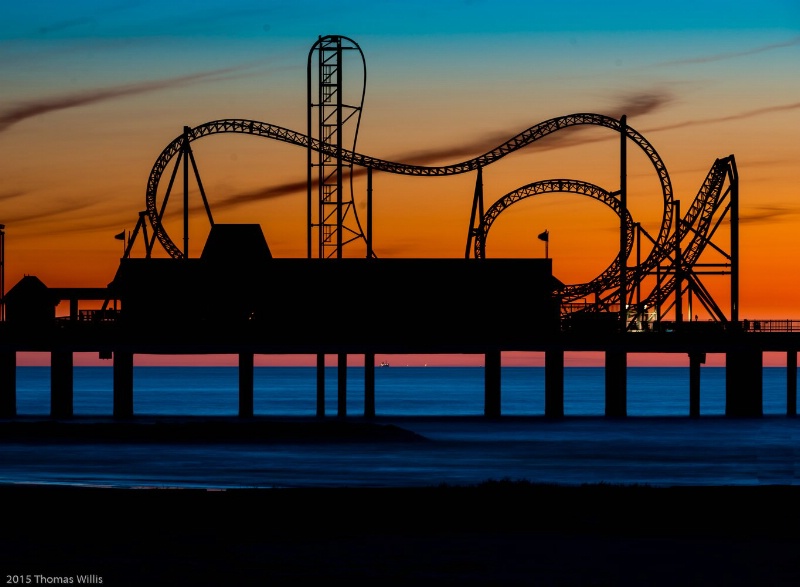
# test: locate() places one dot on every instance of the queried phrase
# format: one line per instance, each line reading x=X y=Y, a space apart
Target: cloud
x=5 y=196
x=451 y=153
x=729 y=117
x=41 y=216
x=794 y=41
x=767 y=214
x=633 y=105
x=284 y=189
x=63 y=25
x=13 y=115
x=636 y=104
x=643 y=103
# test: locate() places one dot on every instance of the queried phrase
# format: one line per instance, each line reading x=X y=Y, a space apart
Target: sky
x=93 y=91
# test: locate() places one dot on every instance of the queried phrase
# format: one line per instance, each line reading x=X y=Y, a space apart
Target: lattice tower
x=333 y=120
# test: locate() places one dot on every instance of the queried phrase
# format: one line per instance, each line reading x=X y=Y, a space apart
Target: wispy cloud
x=15 y=114
x=636 y=104
x=284 y=189
x=62 y=25
x=643 y=103
x=5 y=196
x=768 y=214
x=729 y=117
x=794 y=41
x=40 y=215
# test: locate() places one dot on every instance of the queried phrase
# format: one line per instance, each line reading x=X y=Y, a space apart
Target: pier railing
x=609 y=321
x=771 y=325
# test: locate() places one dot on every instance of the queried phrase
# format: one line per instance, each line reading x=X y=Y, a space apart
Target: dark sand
x=496 y=533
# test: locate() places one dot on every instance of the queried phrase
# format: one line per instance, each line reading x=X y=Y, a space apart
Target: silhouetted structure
x=236 y=298
x=30 y=302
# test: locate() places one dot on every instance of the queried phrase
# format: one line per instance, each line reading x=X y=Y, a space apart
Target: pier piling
x=320 y=385
x=791 y=383
x=491 y=407
x=695 y=360
x=8 y=384
x=246 y=363
x=743 y=383
x=554 y=384
x=342 y=385
x=616 y=384
x=123 y=384
x=369 y=385
x=61 y=384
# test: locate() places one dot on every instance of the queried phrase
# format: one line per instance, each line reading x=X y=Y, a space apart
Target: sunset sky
x=92 y=91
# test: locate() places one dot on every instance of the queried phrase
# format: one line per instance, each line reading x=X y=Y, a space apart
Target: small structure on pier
x=382 y=305
x=30 y=302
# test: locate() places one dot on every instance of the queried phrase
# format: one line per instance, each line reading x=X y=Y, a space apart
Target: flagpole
x=545 y=236
x=121 y=237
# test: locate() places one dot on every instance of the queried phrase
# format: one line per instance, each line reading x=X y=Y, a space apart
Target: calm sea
x=657 y=445
x=400 y=391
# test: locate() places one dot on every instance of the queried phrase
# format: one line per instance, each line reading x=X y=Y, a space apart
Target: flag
x=120 y=236
x=545 y=236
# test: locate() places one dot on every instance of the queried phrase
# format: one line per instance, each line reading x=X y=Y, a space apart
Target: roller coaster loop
x=519 y=141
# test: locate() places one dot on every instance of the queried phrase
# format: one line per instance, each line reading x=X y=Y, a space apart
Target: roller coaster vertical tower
x=332 y=120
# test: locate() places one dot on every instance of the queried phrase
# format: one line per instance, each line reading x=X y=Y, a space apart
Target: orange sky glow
x=92 y=96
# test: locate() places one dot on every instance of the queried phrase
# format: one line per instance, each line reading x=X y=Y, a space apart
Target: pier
x=120 y=340
x=236 y=299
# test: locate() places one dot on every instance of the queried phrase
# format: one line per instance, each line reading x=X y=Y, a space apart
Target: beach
x=497 y=533
x=494 y=532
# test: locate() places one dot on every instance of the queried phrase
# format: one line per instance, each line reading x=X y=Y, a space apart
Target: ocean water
x=657 y=445
x=400 y=391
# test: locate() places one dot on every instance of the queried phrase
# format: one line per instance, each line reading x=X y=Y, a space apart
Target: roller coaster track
x=570 y=292
x=696 y=230
x=274 y=132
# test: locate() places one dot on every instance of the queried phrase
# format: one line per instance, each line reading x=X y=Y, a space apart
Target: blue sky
x=94 y=90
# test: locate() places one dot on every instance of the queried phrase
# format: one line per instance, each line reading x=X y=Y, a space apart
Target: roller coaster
x=640 y=292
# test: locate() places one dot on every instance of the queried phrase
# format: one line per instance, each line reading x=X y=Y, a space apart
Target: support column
x=616 y=384
x=320 y=385
x=695 y=360
x=246 y=364
x=554 y=384
x=342 y=385
x=123 y=384
x=61 y=384
x=743 y=384
x=8 y=384
x=791 y=383
x=491 y=401
x=369 y=385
